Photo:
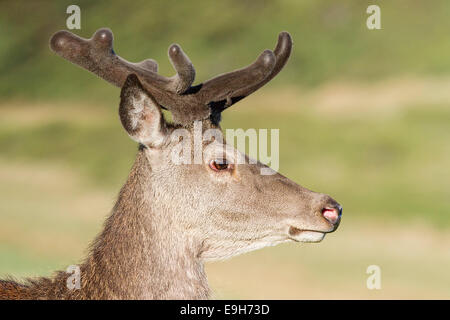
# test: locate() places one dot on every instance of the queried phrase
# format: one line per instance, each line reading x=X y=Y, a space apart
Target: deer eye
x=219 y=165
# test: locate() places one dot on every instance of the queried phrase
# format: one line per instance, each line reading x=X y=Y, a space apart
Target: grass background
x=363 y=116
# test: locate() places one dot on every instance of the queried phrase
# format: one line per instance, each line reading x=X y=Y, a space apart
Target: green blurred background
x=363 y=116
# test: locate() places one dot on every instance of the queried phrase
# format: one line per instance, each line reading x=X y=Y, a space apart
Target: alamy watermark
x=373 y=282
x=196 y=146
x=73 y=282
x=74 y=20
x=373 y=22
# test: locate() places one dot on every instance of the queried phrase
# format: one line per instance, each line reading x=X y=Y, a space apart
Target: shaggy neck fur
x=139 y=254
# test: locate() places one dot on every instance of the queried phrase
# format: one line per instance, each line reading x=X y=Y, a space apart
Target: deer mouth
x=299 y=235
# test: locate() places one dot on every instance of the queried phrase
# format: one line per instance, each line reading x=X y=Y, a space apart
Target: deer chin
x=299 y=235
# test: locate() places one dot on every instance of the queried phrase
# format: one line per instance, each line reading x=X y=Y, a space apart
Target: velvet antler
x=186 y=102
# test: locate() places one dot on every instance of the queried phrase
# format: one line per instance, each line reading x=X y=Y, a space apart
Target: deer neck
x=141 y=253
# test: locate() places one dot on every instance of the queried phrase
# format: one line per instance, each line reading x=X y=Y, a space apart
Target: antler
x=227 y=89
x=186 y=102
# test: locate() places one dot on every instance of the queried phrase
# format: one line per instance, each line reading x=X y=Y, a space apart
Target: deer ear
x=140 y=114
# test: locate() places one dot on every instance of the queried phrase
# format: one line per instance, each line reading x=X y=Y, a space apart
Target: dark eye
x=219 y=165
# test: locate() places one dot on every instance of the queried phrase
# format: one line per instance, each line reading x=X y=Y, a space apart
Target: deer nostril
x=332 y=214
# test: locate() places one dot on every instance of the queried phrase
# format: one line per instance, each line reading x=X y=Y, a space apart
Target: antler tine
x=97 y=55
x=222 y=88
x=282 y=52
x=185 y=70
x=148 y=64
x=229 y=88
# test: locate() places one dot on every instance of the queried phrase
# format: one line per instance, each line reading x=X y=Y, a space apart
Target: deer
x=170 y=219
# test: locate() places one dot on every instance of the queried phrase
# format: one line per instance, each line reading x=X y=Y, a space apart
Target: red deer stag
x=170 y=218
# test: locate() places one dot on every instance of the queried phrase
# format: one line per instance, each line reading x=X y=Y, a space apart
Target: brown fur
x=124 y=262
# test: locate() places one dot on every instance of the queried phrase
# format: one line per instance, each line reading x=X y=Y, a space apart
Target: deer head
x=224 y=207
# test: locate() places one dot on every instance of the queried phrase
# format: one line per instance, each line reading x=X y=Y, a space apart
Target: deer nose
x=332 y=214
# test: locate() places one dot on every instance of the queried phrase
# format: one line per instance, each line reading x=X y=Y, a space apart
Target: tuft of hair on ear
x=132 y=80
x=140 y=113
